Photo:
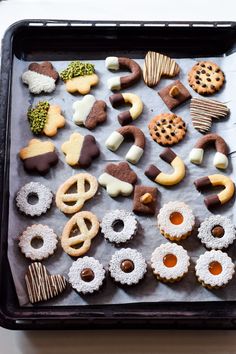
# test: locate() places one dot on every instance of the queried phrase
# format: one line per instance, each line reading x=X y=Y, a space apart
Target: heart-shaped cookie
x=40 y=285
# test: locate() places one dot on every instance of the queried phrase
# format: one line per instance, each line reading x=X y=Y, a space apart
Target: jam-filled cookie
x=176 y=220
x=206 y=78
x=170 y=262
x=214 y=269
x=167 y=129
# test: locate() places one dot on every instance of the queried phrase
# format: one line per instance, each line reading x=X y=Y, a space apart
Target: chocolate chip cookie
x=167 y=129
x=206 y=78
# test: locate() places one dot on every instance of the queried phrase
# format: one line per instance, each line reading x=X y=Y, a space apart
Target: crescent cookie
x=206 y=78
x=135 y=111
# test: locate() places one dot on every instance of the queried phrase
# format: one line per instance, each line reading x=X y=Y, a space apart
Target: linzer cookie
x=38 y=156
x=222 y=150
x=135 y=111
x=40 y=77
x=174 y=94
x=79 y=77
x=145 y=199
x=167 y=129
x=45 y=118
x=206 y=78
x=157 y=65
x=167 y=179
x=122 y=82
x=118 y=179
x=89 y=112
x=203 y=111
x=216 y=180
x=116 y=138
x=40 y=285
x=80 y=150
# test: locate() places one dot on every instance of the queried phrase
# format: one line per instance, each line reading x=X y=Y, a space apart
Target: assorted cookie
x=167 y=129
x=206 y=78
x=174 y=94
x=145 y=200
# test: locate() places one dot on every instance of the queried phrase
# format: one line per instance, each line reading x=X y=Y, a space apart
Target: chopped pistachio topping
x=37 y=116
x=77 y=68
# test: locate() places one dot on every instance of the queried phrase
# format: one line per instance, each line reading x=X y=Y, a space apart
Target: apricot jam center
x=215 y=268
x=170 y=260
x=176 y=218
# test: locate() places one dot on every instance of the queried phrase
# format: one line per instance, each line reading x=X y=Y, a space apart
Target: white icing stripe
x=82 y=108
x=114 y=83
x=114 y=141
x=220 y=160
x=38 y=83
x=134 y=154
x=112 y=63
x=196 y=156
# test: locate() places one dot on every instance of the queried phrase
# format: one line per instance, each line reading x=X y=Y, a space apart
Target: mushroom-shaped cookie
x=122 y=82
x=167 y=179
x=40 y=77
x=127 y=117
x=118 y=136
x=222 y=197
x=118 y=179
x=79 y=77
x=220 y=159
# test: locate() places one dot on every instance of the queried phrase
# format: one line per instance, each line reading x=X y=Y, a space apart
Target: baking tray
x=35 y=40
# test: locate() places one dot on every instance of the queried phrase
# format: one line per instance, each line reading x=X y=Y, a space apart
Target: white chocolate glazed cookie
x=170 y=262
x=176 y=220
x=216 y=232
x=214 y=269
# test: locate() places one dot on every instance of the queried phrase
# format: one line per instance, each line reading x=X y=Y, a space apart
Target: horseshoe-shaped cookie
x=166 y=179
x=117 y=137
x=220 y=159
x=121 y=82
x=64 y=199
x=86 y=234
x=127 y=117
x=212 y=181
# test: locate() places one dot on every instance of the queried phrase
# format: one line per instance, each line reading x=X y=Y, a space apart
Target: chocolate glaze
x=125 y=118
x=136 y=133
x=87 y=274
x=136 y=72
x=212 y=201
x=41 y=163
x=45 y=68
x=116 y=100
x=97 y=115
x=89 y=151
x=122 y=171
x=202 y=183
x=213 y=139
x=168 y=155
x=152 y=172
x=127 y=266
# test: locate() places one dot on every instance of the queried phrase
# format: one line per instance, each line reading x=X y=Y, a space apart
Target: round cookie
x=214 y=269
x=217 y=232
x=176 y=220
x=127 y=266
x=167 y=129
x=170 y=262
x=40 y=232
x=86 y=275
x=206 y=78
x=119 y=226
x=44 y=199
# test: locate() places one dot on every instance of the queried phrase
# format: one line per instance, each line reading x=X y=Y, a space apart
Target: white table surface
x=122 y=342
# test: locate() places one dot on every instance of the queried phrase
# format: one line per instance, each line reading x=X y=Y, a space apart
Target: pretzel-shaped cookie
x=85 y=234
x=79 y=198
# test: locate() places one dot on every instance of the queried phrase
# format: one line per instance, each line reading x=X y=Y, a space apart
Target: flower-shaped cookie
x=80 y=150
x=40 y=77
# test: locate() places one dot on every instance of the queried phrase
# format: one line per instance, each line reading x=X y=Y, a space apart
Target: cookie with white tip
x=118 y=179
x=40 y=77
x=89 y=112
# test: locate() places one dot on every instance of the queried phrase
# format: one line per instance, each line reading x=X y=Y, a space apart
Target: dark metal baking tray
x=36 y=40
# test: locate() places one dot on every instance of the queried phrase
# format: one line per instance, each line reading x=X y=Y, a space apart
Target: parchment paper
x=148 y=237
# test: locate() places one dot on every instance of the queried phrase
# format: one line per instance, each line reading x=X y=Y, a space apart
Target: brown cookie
x=206 y=78
x=167 y=129
x=145 y=199
x=45 y=68
x=122 y=171
x=174 y=94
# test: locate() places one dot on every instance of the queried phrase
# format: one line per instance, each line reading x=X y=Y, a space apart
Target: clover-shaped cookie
x=118 y=179
x=45 y=118
x=79 y=77
x=80 y=150
x=40 y=77
x=89 y=112
x=38 y=156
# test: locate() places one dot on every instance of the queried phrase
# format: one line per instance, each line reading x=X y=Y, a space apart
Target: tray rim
x=113 y=319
